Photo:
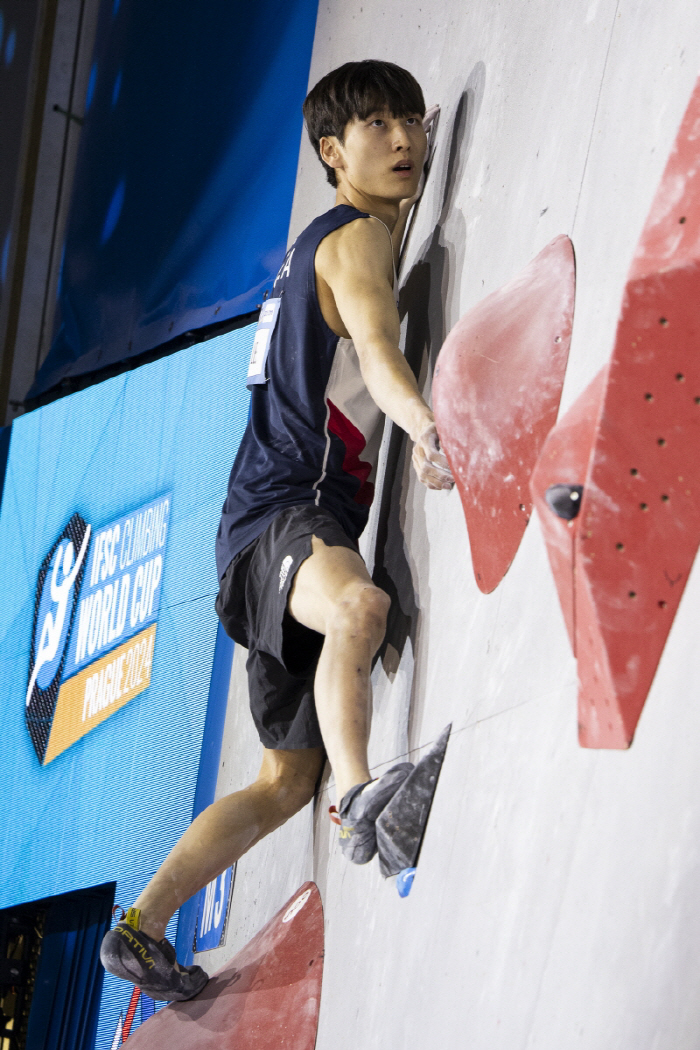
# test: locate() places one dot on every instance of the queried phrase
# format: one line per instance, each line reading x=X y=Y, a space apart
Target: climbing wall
x=633 y=527
x=555 y=902
x=496 y=391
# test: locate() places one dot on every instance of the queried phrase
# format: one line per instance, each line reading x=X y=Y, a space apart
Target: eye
x=411 y=120
x=377 y=123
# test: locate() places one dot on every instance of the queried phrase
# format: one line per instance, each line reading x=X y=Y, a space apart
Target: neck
x=379 y=207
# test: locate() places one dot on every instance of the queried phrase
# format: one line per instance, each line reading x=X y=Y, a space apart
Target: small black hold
x=564 y=500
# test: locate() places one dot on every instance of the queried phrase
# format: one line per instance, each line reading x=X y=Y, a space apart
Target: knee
x=362 y=612
x=290 y=794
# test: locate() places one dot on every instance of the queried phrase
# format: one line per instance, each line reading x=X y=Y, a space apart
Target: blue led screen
x=185 y=174
x=138 y=465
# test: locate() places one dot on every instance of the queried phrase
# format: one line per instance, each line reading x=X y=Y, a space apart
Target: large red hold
x=631 y=441
x=496 y=393
x=266 y=998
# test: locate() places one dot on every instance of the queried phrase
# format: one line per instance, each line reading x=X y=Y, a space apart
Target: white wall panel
x=556 y=901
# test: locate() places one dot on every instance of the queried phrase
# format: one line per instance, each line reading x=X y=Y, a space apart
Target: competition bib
x=261 y=344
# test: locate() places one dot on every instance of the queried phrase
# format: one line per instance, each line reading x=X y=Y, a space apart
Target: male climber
x=325 y=368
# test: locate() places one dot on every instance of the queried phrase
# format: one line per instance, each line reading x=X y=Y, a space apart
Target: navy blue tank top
x=314 y=431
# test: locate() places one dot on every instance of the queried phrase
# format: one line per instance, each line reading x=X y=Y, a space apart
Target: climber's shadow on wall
x=423 y=297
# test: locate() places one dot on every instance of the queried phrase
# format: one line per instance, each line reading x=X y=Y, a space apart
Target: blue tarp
x=185 y=174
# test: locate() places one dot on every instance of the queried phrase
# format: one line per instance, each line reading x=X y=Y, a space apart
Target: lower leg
x=342 y=692
x=226 y=830
x=333 y=594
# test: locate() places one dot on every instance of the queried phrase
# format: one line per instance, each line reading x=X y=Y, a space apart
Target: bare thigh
x=324 y=581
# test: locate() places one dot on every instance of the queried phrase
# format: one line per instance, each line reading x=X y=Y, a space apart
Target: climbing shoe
x=129 y=953
x=359 y=809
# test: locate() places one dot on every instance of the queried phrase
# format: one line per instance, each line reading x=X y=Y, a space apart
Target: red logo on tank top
x=354 y=442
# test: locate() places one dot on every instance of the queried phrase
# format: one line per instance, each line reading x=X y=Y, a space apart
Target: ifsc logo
x=94 y=627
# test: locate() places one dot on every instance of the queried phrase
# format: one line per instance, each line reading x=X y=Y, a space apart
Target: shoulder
x=365 y=231
x=364 y=242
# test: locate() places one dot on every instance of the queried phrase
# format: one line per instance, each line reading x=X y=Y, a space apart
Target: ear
x=330 y=151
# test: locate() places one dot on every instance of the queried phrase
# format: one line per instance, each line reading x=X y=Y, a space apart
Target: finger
x=438 y=478
x=430 y=461
x=439 y=462
x=430 y=118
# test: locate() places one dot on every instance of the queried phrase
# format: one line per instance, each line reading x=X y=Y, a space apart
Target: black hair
x=354 y=91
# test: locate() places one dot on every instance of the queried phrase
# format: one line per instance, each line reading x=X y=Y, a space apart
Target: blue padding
x=111 y=806
x=208 y=772
x=185 y=176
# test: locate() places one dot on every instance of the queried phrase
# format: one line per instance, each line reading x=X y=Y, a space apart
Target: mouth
x=404 y=167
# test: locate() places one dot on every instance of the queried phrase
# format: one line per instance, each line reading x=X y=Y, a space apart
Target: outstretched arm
x=356 y=263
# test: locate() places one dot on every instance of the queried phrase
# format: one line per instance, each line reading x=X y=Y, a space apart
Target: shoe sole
x=120 y=962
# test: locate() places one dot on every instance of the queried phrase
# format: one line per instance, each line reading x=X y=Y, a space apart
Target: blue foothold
x=404 y=881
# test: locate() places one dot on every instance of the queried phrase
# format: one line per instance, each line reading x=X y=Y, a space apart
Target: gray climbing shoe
x=359 y=809
x=129 y=953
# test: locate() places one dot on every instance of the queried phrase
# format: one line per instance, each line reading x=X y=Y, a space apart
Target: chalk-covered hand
x=430 y=463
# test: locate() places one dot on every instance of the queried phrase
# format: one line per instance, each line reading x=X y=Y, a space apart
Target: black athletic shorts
x=282 y=654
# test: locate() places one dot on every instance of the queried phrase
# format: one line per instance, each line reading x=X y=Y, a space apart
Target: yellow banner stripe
x=101 y=689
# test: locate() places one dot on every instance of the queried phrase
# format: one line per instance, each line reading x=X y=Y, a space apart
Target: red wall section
x=496 y=393
x=635 y=540
x=266 y=998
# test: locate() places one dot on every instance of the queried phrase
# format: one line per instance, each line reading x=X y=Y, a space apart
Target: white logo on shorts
x=284 y=570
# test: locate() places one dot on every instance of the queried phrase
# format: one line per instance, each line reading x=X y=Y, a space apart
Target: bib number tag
x=257 y=369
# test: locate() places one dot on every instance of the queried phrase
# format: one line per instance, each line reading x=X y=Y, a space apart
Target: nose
x=400 y=139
